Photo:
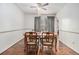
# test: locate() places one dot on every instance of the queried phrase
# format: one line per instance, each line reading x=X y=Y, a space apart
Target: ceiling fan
x=40 y=5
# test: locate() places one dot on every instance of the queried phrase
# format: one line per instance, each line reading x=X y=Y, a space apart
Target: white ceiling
x=52 y=8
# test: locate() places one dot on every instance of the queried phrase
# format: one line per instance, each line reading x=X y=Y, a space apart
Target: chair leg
x=55 y=44
x=52 y=51
x=25 y=52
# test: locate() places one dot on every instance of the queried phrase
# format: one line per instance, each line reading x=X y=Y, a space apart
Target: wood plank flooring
x=18 y=49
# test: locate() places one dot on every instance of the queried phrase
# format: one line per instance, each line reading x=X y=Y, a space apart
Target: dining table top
x=40 y=34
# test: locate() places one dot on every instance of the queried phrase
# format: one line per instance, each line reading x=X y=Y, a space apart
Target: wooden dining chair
x=30 y=42
x=47 y=42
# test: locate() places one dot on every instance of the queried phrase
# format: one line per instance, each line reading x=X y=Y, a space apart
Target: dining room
x=39 y=29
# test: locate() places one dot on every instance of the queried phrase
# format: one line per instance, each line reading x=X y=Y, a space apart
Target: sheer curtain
x=50 y=23
x=44 y=23
x=43 y=26
x=37 y=24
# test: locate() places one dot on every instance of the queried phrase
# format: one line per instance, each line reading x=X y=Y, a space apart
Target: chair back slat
x=48 y=36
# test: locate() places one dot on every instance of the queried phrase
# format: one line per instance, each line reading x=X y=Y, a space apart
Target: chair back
x=48 y=37
x=31 y=37
x=47 y=42
x=30 y=42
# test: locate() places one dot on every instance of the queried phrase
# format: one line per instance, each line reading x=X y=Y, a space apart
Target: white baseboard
x=69 y=46
x=8 y=46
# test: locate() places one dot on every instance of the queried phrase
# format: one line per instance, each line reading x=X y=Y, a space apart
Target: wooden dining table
x=39 y=42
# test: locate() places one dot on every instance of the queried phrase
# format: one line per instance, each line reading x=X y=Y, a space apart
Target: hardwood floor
x=64 y=50
x=18 y=49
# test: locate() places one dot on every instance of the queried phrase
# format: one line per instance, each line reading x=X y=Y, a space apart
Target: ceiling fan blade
x=45 y=4
x=39 y=4
x=42 y=4
x=44 y=8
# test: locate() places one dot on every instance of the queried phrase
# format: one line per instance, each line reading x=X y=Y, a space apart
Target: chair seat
x=46 y=43
x=32 y=43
